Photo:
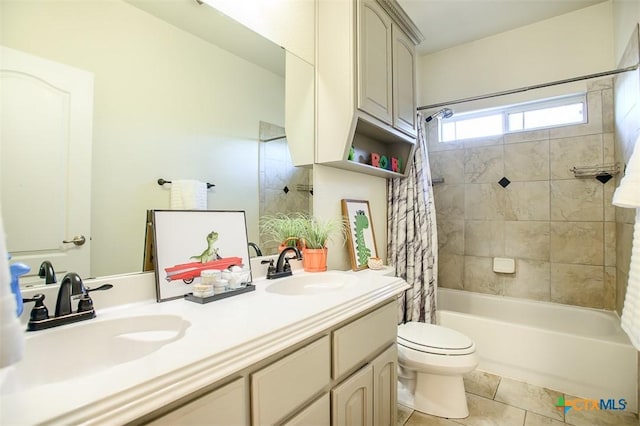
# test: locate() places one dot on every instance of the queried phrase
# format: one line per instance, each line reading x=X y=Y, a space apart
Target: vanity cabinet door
x=281 y=388
x=374 y=61
x=404 y=78
x=224 y=406
x=352 y=400
x=385 y=387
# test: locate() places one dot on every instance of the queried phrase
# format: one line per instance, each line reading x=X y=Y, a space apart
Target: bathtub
x=581 y=352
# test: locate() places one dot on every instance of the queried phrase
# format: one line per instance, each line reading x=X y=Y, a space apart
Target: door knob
x=77 y=240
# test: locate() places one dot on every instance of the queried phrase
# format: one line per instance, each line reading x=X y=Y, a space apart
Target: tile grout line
x=495 y=392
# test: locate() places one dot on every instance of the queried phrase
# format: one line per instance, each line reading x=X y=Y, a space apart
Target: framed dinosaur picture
x=186 y=242
x=361 y=238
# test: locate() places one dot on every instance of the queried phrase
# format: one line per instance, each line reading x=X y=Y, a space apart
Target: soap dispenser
x=16 y=270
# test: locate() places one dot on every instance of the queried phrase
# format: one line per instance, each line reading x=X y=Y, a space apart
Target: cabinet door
x=385 y=387
x=352 y=400
x=404 y=78
x=374 y=61
x=224 y=406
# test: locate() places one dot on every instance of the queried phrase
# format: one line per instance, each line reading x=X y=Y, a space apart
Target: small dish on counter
x=375 y=263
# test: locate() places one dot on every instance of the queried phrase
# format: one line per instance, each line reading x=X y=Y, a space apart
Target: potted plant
x=284 y=229
x=315 y=235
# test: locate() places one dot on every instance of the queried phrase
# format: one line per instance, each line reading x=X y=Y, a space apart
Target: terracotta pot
x=314 y=260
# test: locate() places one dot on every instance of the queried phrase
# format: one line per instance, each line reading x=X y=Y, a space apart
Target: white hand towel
x=631 y=310
x=628 y=195
x=11 y=332
x=628 y=192
x=188 y=195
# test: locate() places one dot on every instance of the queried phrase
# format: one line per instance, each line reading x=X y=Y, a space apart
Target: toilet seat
x=434 y=339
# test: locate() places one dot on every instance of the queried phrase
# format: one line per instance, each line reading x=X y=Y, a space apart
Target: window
x=516 y=118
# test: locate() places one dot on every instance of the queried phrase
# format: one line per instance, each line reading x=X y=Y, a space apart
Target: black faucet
x=46 y=271
x=283 y=268
x=256 y=248
x=70 y=286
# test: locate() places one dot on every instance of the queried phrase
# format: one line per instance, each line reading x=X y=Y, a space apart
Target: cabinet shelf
x=364 y=168
x=371 y=136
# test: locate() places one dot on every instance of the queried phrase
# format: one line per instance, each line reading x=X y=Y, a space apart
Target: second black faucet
x=283 y=268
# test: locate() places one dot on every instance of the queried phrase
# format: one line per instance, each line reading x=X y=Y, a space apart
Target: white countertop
x=223 y=338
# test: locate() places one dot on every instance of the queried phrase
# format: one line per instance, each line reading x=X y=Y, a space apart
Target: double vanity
x=308 y=349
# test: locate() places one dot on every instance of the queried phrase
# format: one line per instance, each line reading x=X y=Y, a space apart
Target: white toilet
x=432 y=360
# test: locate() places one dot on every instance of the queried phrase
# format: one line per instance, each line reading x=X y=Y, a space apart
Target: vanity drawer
x=284 y=386
x=224 y=406
x=318 y=413
x=359 y=341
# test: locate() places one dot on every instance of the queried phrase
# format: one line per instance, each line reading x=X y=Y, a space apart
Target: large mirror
x=179 y=92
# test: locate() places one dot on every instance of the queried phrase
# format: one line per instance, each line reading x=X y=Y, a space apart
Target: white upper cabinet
x=386 y=68
x=404 y=78
x=374 y=61
x=365 y=86
x=299 y=109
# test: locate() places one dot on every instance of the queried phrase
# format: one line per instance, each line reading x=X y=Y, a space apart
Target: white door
x=46 y=115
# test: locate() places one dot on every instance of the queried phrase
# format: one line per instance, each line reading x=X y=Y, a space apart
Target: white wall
x=167 y=104
x=566 y=46
x=330 y=186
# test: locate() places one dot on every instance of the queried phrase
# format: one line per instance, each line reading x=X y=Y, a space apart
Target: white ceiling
x=447 y=23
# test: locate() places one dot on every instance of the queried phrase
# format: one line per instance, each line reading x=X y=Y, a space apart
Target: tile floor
x=494 y=400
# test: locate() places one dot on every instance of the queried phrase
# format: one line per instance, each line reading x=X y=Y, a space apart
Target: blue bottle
x=17 y=269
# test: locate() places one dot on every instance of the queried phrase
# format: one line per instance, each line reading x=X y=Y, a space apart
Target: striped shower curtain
x=412 y=245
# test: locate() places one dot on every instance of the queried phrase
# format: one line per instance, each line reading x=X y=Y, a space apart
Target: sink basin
x=318 y=283
x=88 y=347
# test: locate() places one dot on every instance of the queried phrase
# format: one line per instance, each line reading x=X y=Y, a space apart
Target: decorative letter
x=375 y=160
x=384 y=162
x=394 y=164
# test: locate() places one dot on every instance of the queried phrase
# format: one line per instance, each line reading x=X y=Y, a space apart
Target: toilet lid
x=433 y=338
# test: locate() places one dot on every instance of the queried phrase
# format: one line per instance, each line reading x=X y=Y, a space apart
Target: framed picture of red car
x=187 y=242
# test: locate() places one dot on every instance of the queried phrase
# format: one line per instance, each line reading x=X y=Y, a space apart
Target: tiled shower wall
x=277 y=173
x=560 y=230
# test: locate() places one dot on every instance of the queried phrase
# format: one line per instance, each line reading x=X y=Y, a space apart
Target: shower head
x=443 y=113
